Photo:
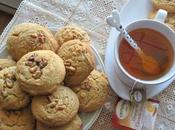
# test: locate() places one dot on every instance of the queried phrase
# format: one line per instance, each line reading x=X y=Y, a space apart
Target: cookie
x=168 y=5
x=11 y=95
x=71 y=32
x=4 y=63
x=92 y=92
x=78 y=60
x=16 y=120
x=39 y=72
x=75 y=124
x=27 y=37
x=57 y=109
x=170 y=20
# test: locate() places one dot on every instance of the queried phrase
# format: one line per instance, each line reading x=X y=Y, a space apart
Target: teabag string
x=137 y=95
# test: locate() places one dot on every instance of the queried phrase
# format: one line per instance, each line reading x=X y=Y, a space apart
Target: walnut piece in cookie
x=56 y=109
x=40 y=72
x=27 y=37
x=168 y=5
x=92 y=92
x=36 y=65
x=11 y=95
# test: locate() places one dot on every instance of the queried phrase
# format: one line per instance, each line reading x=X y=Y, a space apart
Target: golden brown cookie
x=4 y=63
x=168 y=5
x=16 y=120
x=71 y=32
x=57 y=109
x=170 y=20
x=27 y=37
x=11 y=95
x=92 y=92
x=78 y=60
x=39 y=72
x=75 y=124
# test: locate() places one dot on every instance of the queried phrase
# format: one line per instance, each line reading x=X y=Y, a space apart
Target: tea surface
x=152 y=43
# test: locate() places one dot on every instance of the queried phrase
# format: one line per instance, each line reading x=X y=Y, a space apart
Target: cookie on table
x=92 y=92
x=170 y=20
x=168 y=5
x=40 y=71
x=56 y=109
x=11 y=95
x=78 y=60
x=71 y=32
x=4 y=63
x=75 y=124
x=16 y=120
x=27 y=37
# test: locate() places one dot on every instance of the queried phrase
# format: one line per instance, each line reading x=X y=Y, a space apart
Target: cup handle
x=161 y=15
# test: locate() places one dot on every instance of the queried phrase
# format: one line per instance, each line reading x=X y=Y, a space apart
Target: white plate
x=87 y=118
x=132 y=11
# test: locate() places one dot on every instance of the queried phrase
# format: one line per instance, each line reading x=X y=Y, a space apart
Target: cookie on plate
x=57 y=109
x=71 y=32
x=92 y=92
x=11 y=95
x=16 y=120
x=75 y=124
x=27 y=37
x=39 y=72
x=4 y=63
x=168 y=5
x=78 y=60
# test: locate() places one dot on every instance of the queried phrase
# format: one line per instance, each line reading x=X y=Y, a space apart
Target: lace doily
x=90 y=14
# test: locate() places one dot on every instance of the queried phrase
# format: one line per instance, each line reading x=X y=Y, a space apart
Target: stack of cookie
x=55 y=74
x=169 y=6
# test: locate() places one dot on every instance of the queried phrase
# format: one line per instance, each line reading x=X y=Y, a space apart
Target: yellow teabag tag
x=136 y=116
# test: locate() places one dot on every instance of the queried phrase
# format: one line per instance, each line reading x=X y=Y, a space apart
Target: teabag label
x=135 y=116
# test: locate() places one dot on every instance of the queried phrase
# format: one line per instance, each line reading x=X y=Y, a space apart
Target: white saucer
x=119 y=88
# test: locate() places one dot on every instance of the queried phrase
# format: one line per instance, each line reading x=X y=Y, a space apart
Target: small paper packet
x=135 y=116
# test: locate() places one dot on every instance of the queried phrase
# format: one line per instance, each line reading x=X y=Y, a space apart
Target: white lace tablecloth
x=91 y=15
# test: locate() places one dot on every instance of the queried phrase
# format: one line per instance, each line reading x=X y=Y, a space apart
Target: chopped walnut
x=36 y=64
x=9 y=83
x=29 y=63
x=49 y=98
x=52 y=105
x=32 y=57
x=33 y=36
x=41 y=38
x=86 y=85
x=33 y=69
x=37 y=75
x=55 y=104
x=61 y=107
x=67 y=63
x=37 y=40
x=70 y=70
x=9 y=79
